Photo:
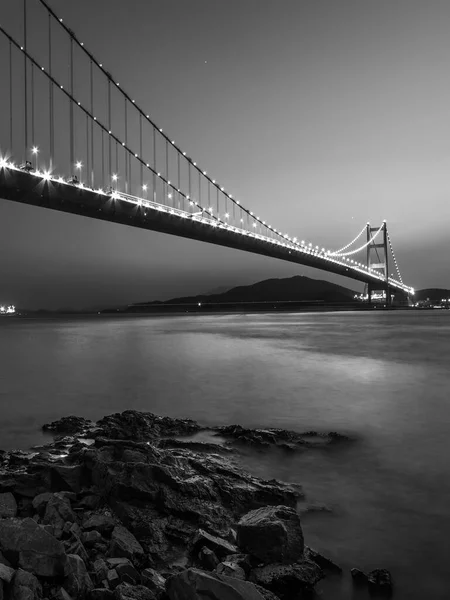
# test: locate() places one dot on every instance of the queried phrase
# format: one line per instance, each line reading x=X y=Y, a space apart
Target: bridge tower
x=377 y=259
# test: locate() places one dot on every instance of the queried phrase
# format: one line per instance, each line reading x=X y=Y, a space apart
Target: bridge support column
x=377 y=260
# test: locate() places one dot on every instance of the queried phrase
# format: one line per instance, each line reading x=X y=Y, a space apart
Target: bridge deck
x=19 y=186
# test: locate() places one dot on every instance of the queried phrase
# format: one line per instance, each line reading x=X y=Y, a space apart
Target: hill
x=292 y=289
x=433 y=294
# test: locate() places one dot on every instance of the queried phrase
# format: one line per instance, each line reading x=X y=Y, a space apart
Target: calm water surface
x=382 y=377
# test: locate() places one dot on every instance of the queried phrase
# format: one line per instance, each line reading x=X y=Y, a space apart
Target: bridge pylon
x=377 y=260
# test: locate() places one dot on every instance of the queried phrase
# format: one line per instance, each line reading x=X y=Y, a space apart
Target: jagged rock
x=4 y=561
x=8 y=505
x=125 y=570
x=273 y=534
x=220 y=547
x=380 y=580
x=40 y=502
x=74 y=546
x=230 y=569
x=90 y=538
x=77 y=583
x=25 y=586
x=134 y=425
x=99 y=570
x=70 y=425
x=62 y=594
x=207 y=559
x=153 y=581
x=104 y=524
x=358 y=576
x=133 y=592
x=113 y=579
x=288 y=582
x=101 y=594
x=245 y=561
x=322 y=561
x=6 y=573
x=123 y=543
x=90 y=502
x=57 y=513
x=68 y=477
x=194 y=584
x=27 y=545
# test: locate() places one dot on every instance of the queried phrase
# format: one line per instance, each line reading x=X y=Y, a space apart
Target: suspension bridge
x=73 y=139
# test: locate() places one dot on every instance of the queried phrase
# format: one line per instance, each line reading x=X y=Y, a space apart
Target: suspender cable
x=103 y=158
x=126 y=143
x=166 y=199
x=88 y=158
x=109 y=129
x=72 y=141
x=25 y=75
x=140 y=151
x=154 y=163
x=50 y=93
x=92 y=125
x=10 y=98
x=179 y=180
x=32 y=105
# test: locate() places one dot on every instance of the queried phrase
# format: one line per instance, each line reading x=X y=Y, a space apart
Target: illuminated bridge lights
x=323 y=254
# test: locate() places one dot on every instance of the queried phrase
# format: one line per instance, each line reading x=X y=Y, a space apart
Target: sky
x=319 y=115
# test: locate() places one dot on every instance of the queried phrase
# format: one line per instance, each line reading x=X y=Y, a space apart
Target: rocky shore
x=132 y=508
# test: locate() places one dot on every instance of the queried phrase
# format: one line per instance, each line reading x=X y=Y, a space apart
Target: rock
x=134 y=425
x=6 y=573
x=273 y=534
x=113 y=579
x=288 y=581
x=68 y=477
x=8 y=505
x=40 y=502
x=322 y=561
x=194 y=584
x=207 y=559
x=101 y=594
x=100 y=570
x=62 y=594
x=358 y=576
x=153 y=581
x=27 y=545
x=219 y=546
x=90 y=538
x=2 y=592
x=123 y=543
x=133 y=592
x=90 y=502
x=77 y=583
x=57 y=513
x=4 y=561
x=70 y=425
x=25 y=586
x=230 y=569
x=104 y=524
x=380 y=580
x=74 y=546
x=125 y=569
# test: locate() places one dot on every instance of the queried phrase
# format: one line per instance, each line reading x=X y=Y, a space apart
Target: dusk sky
x=318 y=115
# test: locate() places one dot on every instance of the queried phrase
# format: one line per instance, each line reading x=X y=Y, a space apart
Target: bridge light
x=254 y=224
x=46 y=175
x=237 y=202
x=114 y=177
x=227 y=216
x=169 y=196
x=144 y=187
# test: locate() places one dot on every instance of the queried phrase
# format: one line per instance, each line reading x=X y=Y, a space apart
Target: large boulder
x=194 y=584
x=25 y=586
x=58 y=512
x=273 y=534
x=153 y=581
x=78 y=582
x=27 y=545
x=70 y=425
x=102 y=523
x=6 y=573
x=289 y=582
x=124 y=544
x=219 y=546
x=380 y=581
x=8 y=505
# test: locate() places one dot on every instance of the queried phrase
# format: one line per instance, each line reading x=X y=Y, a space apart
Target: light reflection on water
x=382 y=377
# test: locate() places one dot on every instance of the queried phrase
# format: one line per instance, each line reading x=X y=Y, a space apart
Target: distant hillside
x=292 y=289
x=433 y=294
